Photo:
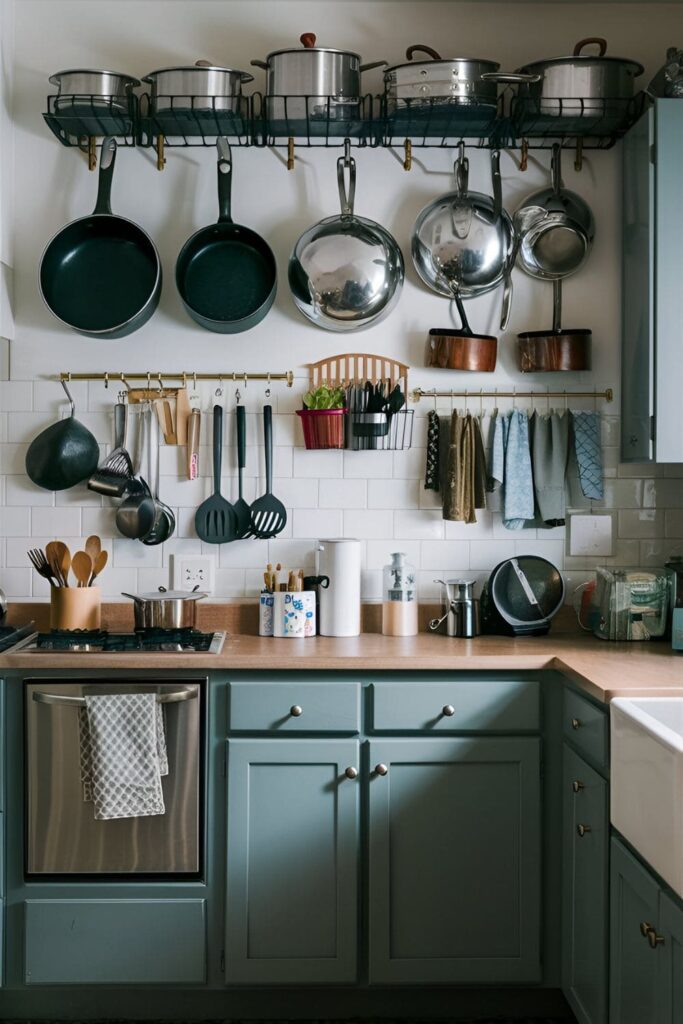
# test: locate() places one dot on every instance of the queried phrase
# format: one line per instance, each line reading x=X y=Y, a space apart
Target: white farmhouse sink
x=646 y=780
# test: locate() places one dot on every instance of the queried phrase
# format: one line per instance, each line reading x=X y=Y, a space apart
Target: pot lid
x=538 y=66
x=199 y=66
x=58 y=75
x=526 y=589
x=313 y=49
x=169 y=595
x=494 y=65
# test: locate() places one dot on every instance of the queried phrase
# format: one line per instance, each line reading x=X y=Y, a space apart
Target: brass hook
x=290 y=154
x=524 y=155
x=268 y=386
x=408 y=158
x=106 y=381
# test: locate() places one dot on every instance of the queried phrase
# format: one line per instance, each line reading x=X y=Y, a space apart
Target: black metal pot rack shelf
x=372 y=121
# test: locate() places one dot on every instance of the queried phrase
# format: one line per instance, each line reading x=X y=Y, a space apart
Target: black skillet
x=226 y=273
x=101 y=275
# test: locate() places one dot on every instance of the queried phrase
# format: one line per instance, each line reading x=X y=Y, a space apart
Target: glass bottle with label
x=399 y=607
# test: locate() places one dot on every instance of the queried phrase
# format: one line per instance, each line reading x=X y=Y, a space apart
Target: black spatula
x=241 y=509
x=268 y=514
x=215 y=520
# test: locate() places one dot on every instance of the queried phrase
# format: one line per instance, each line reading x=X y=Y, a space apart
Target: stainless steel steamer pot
x=201 y=86
x=107 y=89
x=453 y=79
x=165 y=609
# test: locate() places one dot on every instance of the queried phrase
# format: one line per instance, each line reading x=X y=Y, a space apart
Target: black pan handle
x=107 y=160
x=217 y=447
x=465 y=328
x=224 y=180
x=241 y=439
x=268 y=444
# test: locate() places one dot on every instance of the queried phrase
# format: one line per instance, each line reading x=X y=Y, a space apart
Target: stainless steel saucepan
x=165 y=609
x=201 y=86
x=457 y=80
x=106 y=89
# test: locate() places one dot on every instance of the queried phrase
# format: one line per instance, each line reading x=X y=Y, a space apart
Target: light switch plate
x=591 y=535
x=190 y=571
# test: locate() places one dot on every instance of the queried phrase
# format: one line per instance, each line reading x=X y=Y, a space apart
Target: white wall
x=327 y=493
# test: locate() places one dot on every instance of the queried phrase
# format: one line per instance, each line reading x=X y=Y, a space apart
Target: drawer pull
x=296 y=711
x=448 y=710
x=645 y=927
x=577 y=786
x=583 y=829
x=381 y=769
x=654 y=939
x=576 y=724
x=351 y=772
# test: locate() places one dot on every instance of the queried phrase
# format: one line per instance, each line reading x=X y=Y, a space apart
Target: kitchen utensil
x=583 y=85
x=165 y=609
x=75 y=608
x=226 y=273
x=555 y=228
x=458 y=80
x=101 y=274
x=462 y=615
x=42 y=566
x=81 y=565
x=202 y=87
x=241 y=508
x=135 y=515
x=464 y=237
x=99 y=564
x=346 y=272
x=93 y=546
x=548 y=351
x=215 y=520
x=113 y=476
x=521 y=596
x=193 y=437
x=164 y=519
x=59 y=558
x=339 y=563
x=313 y=81
x=62 y=455
x=107 y=92
x=268 y=514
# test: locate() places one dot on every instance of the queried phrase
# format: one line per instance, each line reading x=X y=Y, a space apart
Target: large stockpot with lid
x=109 y=89
x=165 y=609
x=199 y=86
x=453 y=80
x=330 y=80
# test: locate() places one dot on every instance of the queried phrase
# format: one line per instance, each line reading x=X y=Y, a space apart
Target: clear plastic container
x=399 y=607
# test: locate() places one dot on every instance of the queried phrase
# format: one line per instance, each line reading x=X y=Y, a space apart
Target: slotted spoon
x=215 y=520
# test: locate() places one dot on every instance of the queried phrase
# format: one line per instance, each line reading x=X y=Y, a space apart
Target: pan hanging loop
x=68 y=395
x=461 y=170
x=268 y=386
x=106 y=380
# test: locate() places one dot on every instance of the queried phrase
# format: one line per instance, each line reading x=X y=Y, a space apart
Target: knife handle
x=193 y=434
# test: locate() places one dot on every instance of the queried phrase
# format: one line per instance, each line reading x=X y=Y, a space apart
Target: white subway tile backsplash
x=295 y=554
x=646 y=522
x=242 y=554
x=470 y=531
x=379 y=552
x=673 y=523
x=20 y=491
x=394 y=494
x=343 y=494
x=101 y=521
x=321 y=464
x=17 y=395
x=418 y=525
x=57 y=523
x=487 y=554
x=17 y=583
x=14 y=522
x=658 y=552
x=366 y=524
x=131 y=554
x=297 y=492
x=445 y=555
x=316 y=522
x=369 y=465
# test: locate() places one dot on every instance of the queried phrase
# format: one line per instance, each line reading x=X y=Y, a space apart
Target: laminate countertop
x=603 y=669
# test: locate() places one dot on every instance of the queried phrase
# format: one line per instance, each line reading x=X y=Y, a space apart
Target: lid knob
x=307 y=40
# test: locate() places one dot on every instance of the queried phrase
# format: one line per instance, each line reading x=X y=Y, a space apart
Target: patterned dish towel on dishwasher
x=123 y=754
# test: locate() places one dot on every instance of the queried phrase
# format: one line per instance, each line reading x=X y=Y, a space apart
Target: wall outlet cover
x=591 y=535
x=193 y=571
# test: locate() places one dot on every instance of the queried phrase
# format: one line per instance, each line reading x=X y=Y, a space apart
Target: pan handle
x=421 y=48
x=497 y=184
x=224 y=180
x=107 y=160
x=557 y=306
x=556 y=168
x=373 y=64
x=268 y=445
x=346 y=196
x=259 y=64
x=241 y=437
x=217 y=447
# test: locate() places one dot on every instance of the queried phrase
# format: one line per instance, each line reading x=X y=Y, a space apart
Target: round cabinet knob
x=448 y=710
x=583 y=829
x=351 y=773
x=576 y=724
x=381 y=769
x=296 y=711
x=577 y=786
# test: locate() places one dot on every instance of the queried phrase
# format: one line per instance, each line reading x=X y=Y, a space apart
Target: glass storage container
x=399 y=607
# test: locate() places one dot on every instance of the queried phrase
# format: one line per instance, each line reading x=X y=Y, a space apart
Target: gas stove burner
x=162 y=641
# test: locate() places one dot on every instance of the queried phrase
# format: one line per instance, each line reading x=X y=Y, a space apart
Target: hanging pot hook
x=219 y=390
x=268 y=386
x=68 y=395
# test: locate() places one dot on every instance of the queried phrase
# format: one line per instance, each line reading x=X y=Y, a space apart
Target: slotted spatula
x=268 y=514
x=215 y=520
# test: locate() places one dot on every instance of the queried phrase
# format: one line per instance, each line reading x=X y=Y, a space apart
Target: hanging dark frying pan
x=226 y=273
x=101 y=275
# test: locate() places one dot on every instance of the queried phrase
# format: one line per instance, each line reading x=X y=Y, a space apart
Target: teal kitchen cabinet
x=652 y=321
x=454 y=860
x=292 y=861
x=671 y=961
x=585 y=885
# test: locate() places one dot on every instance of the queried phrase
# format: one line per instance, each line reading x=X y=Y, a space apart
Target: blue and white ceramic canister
x=294 y=613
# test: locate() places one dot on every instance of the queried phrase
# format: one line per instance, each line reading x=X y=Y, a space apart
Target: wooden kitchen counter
x=603 y=669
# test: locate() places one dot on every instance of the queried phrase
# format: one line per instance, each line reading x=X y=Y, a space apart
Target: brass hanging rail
x=418 y=393
x=184 y=376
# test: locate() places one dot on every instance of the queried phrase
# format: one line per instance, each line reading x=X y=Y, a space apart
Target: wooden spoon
x=82 y=568
x=60 y=560
x=98 y=566
x=93 y=546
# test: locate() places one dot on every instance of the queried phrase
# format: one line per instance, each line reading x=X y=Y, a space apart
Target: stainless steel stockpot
x=198 y=86
x=452 y=79
x=110 y=89
x=165 y=609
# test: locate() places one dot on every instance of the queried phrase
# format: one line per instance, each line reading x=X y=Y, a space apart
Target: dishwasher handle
x=172 y=697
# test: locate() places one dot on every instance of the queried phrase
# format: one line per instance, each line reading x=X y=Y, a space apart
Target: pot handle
x=346 y=196
x=373 y=64
x=507 y=300
x=557 y=306
x=259 y=64
x=224 y=180
x=421 y=48
x=598 y=40
x=497 y=184
x=461 y=171
x=556 y=168
x=107 y=160
x=307 y=40
x=138 y=601
x=512 y=78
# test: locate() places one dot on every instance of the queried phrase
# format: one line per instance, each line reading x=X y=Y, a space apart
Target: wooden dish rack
x=357 y=368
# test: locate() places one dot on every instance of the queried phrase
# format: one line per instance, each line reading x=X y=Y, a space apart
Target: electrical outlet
x=190 y=571
x=591 y=535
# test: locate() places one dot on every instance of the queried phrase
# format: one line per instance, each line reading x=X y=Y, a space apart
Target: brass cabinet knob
x=381 y=769
x=351 y=773
x=296 y=710
x=582 y=829
x=576 y=724
x=577 y=786
x=448 y=710
x=645 y=927
x=654 y=939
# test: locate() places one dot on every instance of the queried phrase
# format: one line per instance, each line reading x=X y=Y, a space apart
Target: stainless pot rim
x=245 y=76
x=313 y=49
x=171 y=595
x=444 y=60
x=58 y=75
x=537 y=66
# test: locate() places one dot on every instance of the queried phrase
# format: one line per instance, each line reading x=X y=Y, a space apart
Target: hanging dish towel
x=589 y=453
x=432 y=480
x=464 y=487
x=549 y=453
x=519 y=485
x=495 y=461
x=123 y=754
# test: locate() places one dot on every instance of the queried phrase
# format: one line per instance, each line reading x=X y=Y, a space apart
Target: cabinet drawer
x=113 y=942
x=294 y=707
x=462 y=705
x=586 y=727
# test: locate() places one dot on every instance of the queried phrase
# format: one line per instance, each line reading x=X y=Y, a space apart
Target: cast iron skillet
x=101 y=275
x=226 y=273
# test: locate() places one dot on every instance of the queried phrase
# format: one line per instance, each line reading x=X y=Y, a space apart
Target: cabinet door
x=292 y=874
x=671 y=960
x=454 y=870
x=585 y=846
x=635 y=994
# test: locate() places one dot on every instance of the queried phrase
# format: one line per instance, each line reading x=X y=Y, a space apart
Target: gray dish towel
x=518 y=504
x=549 y=454
x=123 y=754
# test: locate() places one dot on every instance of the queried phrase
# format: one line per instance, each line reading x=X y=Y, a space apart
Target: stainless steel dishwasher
x=62 y=835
